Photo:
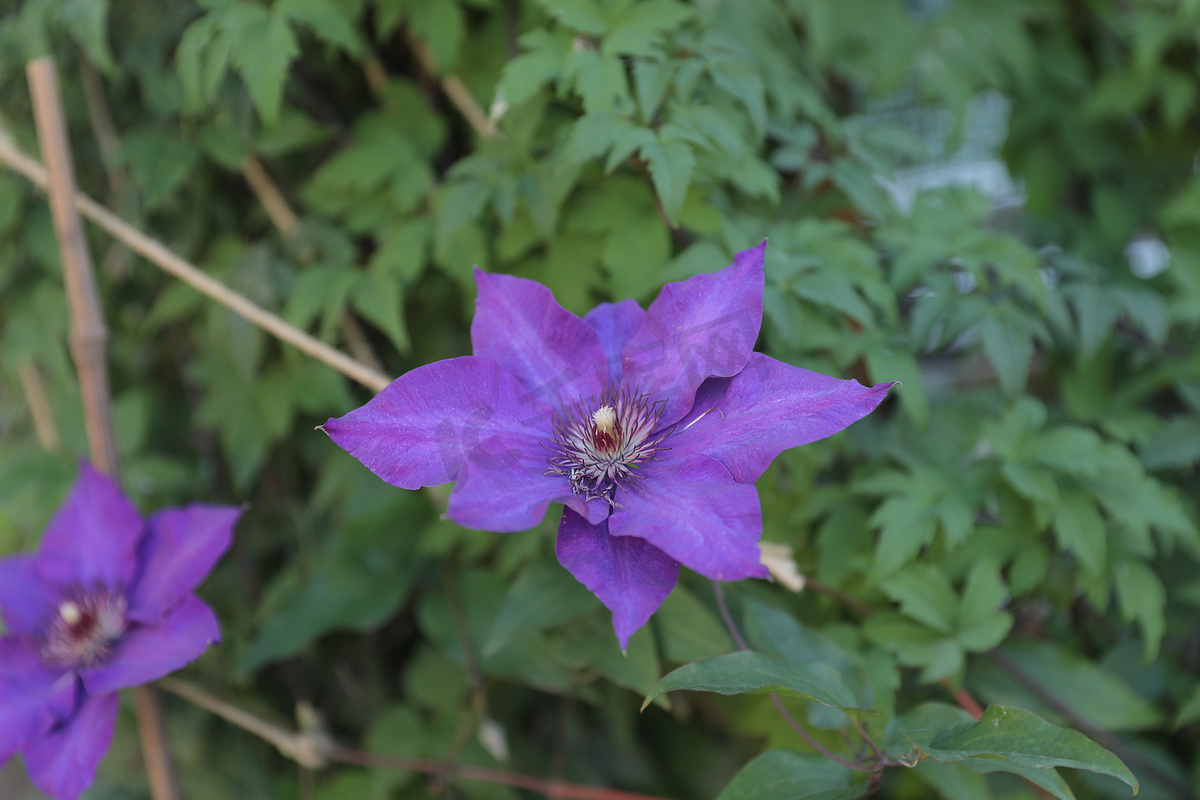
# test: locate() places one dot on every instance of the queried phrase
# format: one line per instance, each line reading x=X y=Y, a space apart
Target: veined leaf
x=747 y=672
x=1027 y=739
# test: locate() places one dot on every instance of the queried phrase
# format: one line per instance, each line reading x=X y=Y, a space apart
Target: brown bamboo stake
x=158 y=254
x=88 y=340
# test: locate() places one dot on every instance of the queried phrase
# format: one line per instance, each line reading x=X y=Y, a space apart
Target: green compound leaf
x=780 y=775
x=1028 y=740
x=747 y=672
x=671 y=164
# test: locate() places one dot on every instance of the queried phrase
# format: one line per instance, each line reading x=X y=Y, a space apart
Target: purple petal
x=26 y=599
x=93 y=537
x=615 y=323
x=417 y=430
x=697 y=514
x=503 y=486
x=25 y=691
x=147 y=652
x=63 y=764
x=769 y=407
x=696 y=329
x=630 y=576
x=553 y=353
x=181 y=548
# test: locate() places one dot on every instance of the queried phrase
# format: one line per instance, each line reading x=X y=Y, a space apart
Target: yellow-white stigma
x=605 y=420
x=598 y=449
x=85 y=628
x=70 y=613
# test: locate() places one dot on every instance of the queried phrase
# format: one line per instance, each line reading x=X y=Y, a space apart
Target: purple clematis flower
x=649 y=426
x=105 y=603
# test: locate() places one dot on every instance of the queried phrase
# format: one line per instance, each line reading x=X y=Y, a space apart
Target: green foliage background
x=1020 y=520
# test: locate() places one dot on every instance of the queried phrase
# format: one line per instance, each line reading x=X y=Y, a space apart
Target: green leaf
x=544 y=596
x=1008 y=345
x=1079 y=528
x=671 y=163
x=651 y=80
x=640 y=28
x=1074 y=680
x=689 y=631
x=1144 y=600
x=584 y=16
x=925 y=594
x=362 y=575
x=158 y=163
x=981 y=623
x=1189 y=711
x=524 y=75
x=747 y=672
x=781 y=775
x=1026 y=739
x=378 y=298
x=906 y=525
x=442 y=26
x=87 y=22
x=326 y=21
x=265 y=49
x=744 y=83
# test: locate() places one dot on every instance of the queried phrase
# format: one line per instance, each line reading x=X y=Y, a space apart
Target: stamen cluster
x=84 y=628
x=598 y=449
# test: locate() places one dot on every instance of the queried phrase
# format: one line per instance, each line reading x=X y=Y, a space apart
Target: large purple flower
x=649 y=426
x=105 y=603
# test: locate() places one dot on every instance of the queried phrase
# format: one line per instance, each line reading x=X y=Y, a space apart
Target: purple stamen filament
x=596 y=451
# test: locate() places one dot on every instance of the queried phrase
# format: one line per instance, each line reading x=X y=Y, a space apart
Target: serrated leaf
x=362 y=575
x=747 y=672
x=1079 y=528
x=744 y=83
x=925 y=594
x=1009 y=347
x=671 y=163
x=404 y=249
x=442 y=26
x=189 y=57
x=651 y=79
x=266 y=47
x=982 y=624
x=158 y=163
x=530 y=71
x=379 y=299
x=781 y=775
x=906 y=525
x=326 y=21
x=584 y=16
x=1144 y=600
x=1027 y=739
x=639 y=30
x=87 y=22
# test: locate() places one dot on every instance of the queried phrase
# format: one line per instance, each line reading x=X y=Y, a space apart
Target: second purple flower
x=649 y=426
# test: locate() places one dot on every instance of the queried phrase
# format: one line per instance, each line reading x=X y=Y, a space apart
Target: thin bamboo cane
x=158 y=254
x=88 y=340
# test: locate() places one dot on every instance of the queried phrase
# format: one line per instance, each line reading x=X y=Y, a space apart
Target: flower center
x=598 y=449
x=84 y=629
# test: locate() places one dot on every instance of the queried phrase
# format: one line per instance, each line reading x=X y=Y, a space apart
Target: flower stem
x=880 y=760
